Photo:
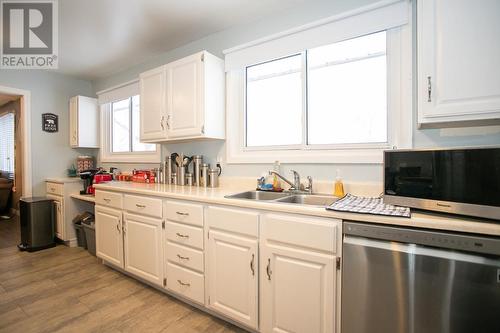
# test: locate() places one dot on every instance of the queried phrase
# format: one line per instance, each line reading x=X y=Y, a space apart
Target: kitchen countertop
x=217 y=196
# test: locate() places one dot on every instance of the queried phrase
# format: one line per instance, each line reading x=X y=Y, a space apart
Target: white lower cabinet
x=184 y=250
x=233 y=261
x=108 y=233
x=297 y=281
x=142 y=244
x=233 y=277
x=297 y=290
x=269 y=272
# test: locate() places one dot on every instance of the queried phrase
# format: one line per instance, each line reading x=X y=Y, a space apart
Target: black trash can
x=37 y=215
x=89 y=228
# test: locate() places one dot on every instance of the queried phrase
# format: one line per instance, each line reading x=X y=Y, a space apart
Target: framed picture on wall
x=50 y=122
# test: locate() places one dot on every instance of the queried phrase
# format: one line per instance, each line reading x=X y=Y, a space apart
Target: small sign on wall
x=50 y=122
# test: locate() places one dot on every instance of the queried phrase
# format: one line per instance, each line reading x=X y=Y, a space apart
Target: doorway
x=11 y=177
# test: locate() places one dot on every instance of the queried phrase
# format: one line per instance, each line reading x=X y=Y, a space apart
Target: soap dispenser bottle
x=338 y=190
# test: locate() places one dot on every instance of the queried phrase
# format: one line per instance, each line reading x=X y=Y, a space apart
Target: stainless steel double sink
x=290 y=198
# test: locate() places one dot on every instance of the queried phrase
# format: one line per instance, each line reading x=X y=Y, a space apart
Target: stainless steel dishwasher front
x=410 y=280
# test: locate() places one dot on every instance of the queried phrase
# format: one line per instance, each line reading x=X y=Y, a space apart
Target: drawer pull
x=183 y=283
x=183 y=214
x=52 y=189
x=182 y=258
x=181 y=235
x=140 y=206
x=106 y=199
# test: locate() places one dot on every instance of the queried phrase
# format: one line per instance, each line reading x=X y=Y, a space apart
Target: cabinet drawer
x=308 y=232
x=185 y=256
x=185 y=234
x=186 y=283
x=143 y=205
x=54 y=188
x=109 y=199
x=184 y=212
x=236 y=220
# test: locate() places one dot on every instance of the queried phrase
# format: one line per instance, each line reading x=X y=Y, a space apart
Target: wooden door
x=108 y=232
x=185 y=98
x=143 y=247
x=153 y=89
x=297 y=290
x=233 y=276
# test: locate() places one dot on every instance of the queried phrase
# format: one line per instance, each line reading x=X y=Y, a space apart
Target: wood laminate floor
x=67 y=290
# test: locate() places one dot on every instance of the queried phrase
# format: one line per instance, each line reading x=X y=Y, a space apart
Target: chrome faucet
x=295 y=186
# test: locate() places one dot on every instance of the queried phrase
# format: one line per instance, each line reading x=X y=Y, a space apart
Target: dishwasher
x=399 y=280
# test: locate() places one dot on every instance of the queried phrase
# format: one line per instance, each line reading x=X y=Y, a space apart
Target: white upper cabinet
x=153 y=90
x=183 y=100
x=83 y=122
x=458 y=62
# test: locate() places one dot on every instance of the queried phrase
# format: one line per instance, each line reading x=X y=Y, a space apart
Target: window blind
x=7 y=140
x=118 y=93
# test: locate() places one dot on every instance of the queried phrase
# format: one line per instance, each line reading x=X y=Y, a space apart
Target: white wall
x=300 y=15
x=50 y=92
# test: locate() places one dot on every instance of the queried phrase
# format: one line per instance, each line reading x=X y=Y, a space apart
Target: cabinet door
x=59 y=222
x=458 y=60
x=73 y=121
x=152 y=100
x=143 y=247
x=108 y=233
x=233 y=276
x=185 y=97
x=297 y=290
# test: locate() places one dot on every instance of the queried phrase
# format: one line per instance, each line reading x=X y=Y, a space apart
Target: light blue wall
x=313 y=10
x=50 y=92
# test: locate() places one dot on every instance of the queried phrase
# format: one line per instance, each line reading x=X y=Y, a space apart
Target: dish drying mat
x=365 y=205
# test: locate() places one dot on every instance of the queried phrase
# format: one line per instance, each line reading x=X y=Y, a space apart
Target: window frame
x=399 y=122
x=107 y=154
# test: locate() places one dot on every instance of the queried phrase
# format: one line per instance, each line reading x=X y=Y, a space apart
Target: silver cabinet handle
x=161 y=122
x=252 y=268
x=182 y=258
x=184 y=283
x=118 y=226
x=268 y=269
x=181 y=235
x=183 y=214
x=140 y=206
x=429 y=89
x=52 y=189
x=106 y=199
x=168 y=122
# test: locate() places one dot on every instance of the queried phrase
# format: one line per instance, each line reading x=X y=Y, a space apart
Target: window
x=120 y=128
x=7 y=126
x=337 y=90
x=125 y=127
x=325 y=96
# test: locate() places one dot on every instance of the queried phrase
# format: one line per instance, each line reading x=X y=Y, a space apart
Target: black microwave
x=462 y=181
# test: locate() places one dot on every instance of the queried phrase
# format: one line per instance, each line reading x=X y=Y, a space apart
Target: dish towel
x=364 y=205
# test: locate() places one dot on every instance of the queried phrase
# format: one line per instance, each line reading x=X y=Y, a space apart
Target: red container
x=103 y=177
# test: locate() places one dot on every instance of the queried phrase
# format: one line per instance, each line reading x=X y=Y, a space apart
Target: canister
x=204 y=175
x=197 y=160
x=213 y=175
x=189 y=179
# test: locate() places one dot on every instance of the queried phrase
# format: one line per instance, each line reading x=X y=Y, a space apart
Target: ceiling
x=102 y=37
x=4 y=99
